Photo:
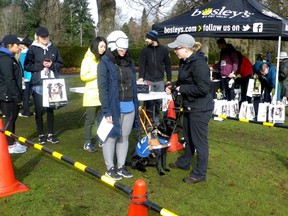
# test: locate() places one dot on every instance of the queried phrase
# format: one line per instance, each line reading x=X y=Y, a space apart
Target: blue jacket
x=109 y=94
x=270 y=78
x=27 y=74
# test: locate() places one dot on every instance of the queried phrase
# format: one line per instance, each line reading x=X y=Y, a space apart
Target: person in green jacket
x=91 y=100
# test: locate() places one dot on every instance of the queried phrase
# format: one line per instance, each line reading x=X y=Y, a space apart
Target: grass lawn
x=247 y=173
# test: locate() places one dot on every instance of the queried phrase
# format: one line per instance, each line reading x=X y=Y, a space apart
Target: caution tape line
x=268 y=124
x=84 y=168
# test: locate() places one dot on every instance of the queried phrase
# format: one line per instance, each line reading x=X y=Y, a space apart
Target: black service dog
x=158 y=141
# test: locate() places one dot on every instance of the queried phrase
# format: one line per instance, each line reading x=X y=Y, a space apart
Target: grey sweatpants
x=120 y=145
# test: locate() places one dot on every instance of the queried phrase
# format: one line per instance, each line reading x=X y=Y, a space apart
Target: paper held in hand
x=104 y=129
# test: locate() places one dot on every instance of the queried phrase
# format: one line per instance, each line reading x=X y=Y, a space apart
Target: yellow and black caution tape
x=84 y=168
x=269 y=124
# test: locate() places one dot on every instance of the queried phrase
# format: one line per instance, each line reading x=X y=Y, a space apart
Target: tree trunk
x=106 y=13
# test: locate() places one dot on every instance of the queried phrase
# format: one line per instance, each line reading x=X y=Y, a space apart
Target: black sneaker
x=88 y=146
x=52 y=139
x=112 y=173
x=124 y=172
x=42 y=139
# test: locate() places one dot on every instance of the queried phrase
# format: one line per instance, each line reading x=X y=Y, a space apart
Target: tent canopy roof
x=227 y=18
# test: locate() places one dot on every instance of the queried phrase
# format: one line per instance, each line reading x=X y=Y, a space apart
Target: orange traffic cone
x=175 y=144
x=138 y=197
x=8 y=184
x=171 y=110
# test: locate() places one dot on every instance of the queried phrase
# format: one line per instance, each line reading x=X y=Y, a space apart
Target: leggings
x=10 y=110
x=119 y=145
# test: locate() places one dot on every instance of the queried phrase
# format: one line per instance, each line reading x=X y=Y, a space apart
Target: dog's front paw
x=161 y=173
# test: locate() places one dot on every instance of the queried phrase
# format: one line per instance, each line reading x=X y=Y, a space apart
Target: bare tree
x=11 y=20
x=155 y=9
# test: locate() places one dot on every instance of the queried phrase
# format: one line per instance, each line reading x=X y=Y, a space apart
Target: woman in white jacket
x=91 y=100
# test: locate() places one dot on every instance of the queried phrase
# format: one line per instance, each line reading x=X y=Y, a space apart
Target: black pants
x=39 y=112
x=265 y=95
x=195 y=128
x=243 y=82
x=10 y=110
x=227 y=93
x=26 y=99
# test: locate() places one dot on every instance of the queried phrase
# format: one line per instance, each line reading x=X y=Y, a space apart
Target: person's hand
x=255 y=76
x=140 y=80
x=232 y=75
x=109 y=119
x=47 y=63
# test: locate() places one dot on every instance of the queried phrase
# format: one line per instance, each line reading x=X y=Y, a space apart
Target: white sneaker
x=16 y=149
x=21 y=146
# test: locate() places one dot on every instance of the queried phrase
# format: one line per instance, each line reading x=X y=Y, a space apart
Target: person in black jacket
x=194 y=86
x=11 y=88
x=42 y=58
x=154 y=61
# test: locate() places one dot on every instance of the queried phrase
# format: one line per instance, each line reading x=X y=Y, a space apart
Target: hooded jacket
x=194 y=82
x=154 y=61
x=228 y=62
x=10 y=77
x=88 y=74
x=36 y=54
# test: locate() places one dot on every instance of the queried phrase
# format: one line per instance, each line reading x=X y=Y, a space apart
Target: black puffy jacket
x=194 y=82
x=10 y=77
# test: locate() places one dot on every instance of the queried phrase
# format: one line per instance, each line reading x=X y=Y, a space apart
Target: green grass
x=247 y=173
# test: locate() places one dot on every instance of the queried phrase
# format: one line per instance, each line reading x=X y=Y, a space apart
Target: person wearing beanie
x=43 y=58
x=11 y=88
x=119 y=103
x=193 y=84
x=154 y=62
x=25 y=44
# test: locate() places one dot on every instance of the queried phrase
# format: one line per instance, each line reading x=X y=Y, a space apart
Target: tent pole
x=277 y=75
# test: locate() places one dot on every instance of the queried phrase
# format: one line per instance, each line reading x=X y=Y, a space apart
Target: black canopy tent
x=230 y=19
x=227 y=18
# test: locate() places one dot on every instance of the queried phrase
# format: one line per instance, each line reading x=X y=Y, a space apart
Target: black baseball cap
x=26 y=42
x=11 y=39
x=42 y=32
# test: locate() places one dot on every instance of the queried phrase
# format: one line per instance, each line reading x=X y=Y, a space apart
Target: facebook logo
x=257 y=27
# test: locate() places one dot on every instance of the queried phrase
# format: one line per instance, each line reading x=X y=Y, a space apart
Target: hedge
x=72 y=56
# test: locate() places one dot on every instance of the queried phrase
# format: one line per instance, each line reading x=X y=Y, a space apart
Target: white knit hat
x=117 y=40
x=283 y=55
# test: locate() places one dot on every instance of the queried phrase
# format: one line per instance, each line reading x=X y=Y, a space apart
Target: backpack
x=245 y=66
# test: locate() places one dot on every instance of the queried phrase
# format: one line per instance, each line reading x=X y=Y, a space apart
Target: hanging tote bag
x=54 y=93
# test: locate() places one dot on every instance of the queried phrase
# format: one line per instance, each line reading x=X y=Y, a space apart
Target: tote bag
x=54 y=93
